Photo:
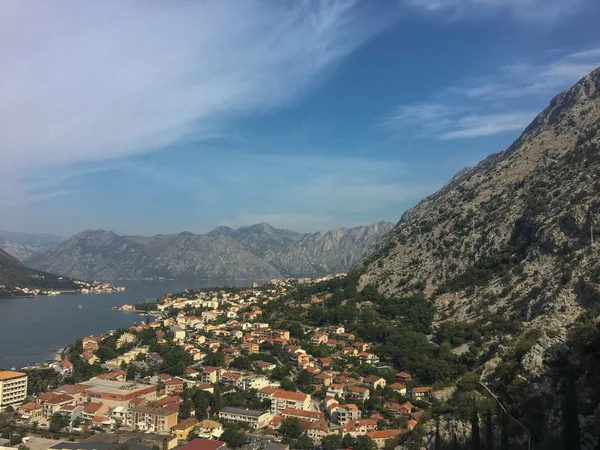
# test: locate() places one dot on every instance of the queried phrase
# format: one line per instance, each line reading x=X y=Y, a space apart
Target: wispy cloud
x=492 y=104
x=530 y=11
x=89 y=81
x=529 y=78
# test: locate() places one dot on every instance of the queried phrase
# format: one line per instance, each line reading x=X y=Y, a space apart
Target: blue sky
x=156 y=117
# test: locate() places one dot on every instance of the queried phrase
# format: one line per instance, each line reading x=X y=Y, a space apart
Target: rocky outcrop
x=258 y=252
x=513 y=234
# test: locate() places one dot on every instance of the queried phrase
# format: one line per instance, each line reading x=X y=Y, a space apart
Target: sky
x=149 y=116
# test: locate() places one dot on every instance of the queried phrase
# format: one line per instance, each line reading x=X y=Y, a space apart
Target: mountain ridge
x=258 y=252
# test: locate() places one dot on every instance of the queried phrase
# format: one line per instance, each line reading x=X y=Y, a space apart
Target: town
x=206 y=370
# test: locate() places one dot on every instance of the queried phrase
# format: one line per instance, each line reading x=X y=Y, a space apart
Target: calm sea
x=32 y=329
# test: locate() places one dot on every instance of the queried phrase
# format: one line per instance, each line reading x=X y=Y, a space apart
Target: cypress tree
x=571 y=433
x=438 y=438
x=504 y=439
x=475 y=437
x=489 y=430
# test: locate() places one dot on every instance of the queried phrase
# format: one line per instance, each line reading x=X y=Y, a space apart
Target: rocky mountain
x=14 y=275
x=516 y=230
x=257 y=252
x=25 y=245
x=508 y=251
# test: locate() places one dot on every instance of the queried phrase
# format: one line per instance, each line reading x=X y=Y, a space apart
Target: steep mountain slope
x=327 y=252
x=260 y=239
x=99 y=254
x=514 y=233
x=255 y=252
x=15 y=275
x=25 y=245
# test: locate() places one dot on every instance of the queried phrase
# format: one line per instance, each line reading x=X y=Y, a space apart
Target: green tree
x=570 y=408
x=304 y=443
x=234 y=437
x=504 y=437
x=291 y=427
x=489 y=430
x=331 y=442
x=58 y=422
x=475 y=436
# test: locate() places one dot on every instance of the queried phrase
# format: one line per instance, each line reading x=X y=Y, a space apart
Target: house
x=325 y=362
x=398 y=388
x=71 y=412
x=253 y=418
x=379 y=437
x=250 y=348
x=281 y=400
x=89 y=357
x=191 y=373
x=335 y=390
x=319 y=338
x=65 y=368
x=343 y=414
x=173 y=386
x=324 y=379
x=211 y=374
x=350 y=351
x=358 y=427
x=231 y=379
x=178 y=333
x=400 y=408
x=374 y=382
x=183 y=429
x=422 y=392
x=209 y=429
x=317 y=431
x=368 y=358
x=53 y=402
x=359 y=393
x=255 y=382
x=124 y=339
x=403 y=377
x=94 y=409
x=309 y=416
x=31 y=411
x=90 y=343
x=361 y=346
x=117 y=375
x=264 y=365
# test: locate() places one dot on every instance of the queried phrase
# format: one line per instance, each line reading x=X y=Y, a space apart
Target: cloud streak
x=89 y=81
x=493 y=104
x=530 y=11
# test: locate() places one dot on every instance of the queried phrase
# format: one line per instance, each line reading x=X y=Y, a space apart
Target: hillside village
x=210 y=367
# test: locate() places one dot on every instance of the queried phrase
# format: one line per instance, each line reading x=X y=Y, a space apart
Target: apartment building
x=13 y=389
x=281 y=400
x=152 y=419
x=254 y=418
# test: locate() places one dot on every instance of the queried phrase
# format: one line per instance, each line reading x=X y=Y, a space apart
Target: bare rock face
x=517 y=233
x=258 y=252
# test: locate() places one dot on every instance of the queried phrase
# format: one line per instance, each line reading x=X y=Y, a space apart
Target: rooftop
x=9 y=375
x=242 y=411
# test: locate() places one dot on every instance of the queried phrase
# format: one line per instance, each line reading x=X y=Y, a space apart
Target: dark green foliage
x=58 y=422
x=291 y=427
x=234 y=437
x=504 y=437
x=41 y=380
x=489 y=430
x=475 y=436
x=570 y=410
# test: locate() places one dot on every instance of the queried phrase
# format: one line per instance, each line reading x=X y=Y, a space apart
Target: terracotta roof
x=174 y=382
x=185 y=424
x=9 y=375
x=422 y=390
x=287 y=395
x=301 y=413
x=384 y=434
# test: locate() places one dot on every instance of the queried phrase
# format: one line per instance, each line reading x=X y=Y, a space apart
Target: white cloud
x=446 y=122
x=493 y=104
x=90 y=81
x=530 y=11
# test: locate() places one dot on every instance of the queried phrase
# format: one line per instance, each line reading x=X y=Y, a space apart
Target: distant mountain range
x=254 y=252
x=25 y=245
